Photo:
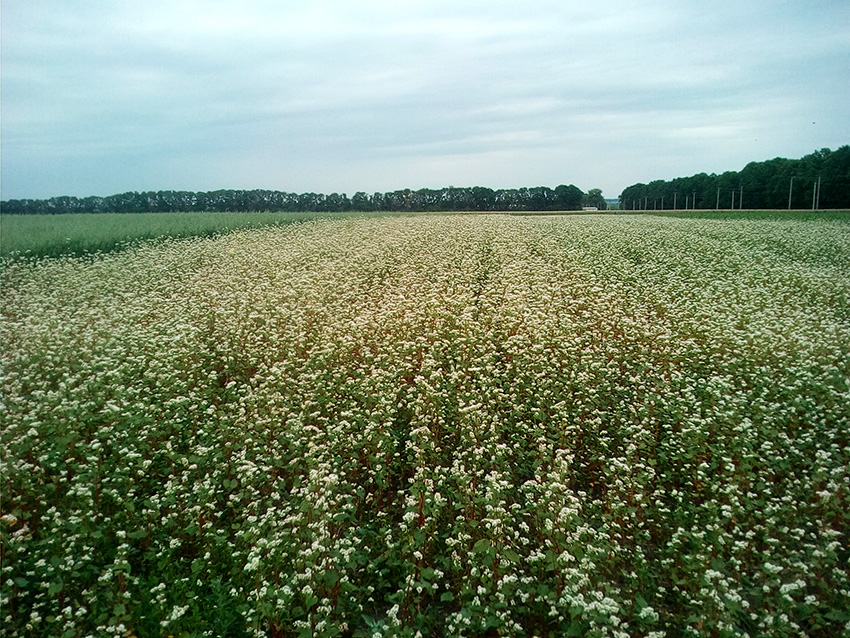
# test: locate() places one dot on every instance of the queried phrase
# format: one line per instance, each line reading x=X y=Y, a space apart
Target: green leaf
x=481 y=546
x=54 y=587
x=447 y=597
x=838 y=616
x=419 y=537
x=21 y=582
x=511 y=555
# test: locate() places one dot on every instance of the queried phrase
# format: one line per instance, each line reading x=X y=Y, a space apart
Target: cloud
x=101 y=97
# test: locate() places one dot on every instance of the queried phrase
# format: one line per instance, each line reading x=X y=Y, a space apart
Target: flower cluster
x=597 y=426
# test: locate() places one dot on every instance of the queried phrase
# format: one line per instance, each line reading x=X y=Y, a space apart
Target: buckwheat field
x=432 y=426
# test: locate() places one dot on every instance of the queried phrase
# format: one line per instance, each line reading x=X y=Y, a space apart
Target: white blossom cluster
x=595 y=426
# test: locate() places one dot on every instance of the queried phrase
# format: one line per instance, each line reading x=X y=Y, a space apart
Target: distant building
x=590 y=208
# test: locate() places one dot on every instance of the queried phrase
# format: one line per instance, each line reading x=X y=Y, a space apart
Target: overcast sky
x=101 y=97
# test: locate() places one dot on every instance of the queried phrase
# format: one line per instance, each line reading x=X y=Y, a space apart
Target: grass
x=79 y=234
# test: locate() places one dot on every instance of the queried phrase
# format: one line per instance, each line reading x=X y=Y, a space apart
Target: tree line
x=475 y=198
x=819 y=180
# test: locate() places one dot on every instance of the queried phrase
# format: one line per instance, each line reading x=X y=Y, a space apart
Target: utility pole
x=662 y=202
x=733 y=199
x=717 y=207
x=741 y=198
x=817 y=202
x=790 y=190
x=694 y=201
x=675 y=195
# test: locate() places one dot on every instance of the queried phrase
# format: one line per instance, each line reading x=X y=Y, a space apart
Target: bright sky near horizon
x=102 y=97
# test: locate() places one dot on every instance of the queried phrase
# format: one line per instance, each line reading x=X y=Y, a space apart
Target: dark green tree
x=759 y=185
x=594 y=197
x=568 y=197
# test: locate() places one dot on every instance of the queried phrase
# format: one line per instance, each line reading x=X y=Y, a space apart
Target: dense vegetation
x=552 y=426
x=765 y=185
x=34 y=236
x=434 y=200
x=81 y=233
